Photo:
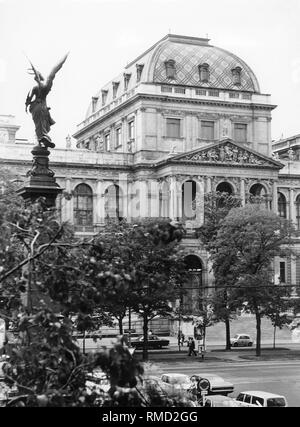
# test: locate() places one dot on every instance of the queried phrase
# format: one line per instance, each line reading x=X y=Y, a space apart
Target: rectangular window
x=213 y=93
x=118 y=138
x=179 y=90
x=201 y=92
x=246 y=95
x=207 y=130
x=131 y=130
x=240 y=132
x=107 y=142
x=173 y=128
x=282 y=272
x=234 y=95
x=166 y=89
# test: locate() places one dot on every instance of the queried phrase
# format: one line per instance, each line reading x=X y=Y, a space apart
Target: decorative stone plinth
x=41 y=181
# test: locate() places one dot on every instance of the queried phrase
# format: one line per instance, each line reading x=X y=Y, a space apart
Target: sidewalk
x=284 y=350
x=215 y=351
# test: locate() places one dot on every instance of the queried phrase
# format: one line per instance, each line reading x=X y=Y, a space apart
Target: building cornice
x=168 y=99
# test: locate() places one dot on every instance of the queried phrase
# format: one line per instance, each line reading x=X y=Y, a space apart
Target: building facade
x=183 y=119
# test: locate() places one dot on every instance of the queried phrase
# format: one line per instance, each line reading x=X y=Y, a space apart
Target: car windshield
x=276 y=401
x=236 y=336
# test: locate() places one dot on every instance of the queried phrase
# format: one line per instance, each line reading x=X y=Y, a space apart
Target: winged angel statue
x=36 y=101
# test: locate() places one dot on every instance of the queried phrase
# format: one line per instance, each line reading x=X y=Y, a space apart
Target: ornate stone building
x=288 y=190
x=183 y=119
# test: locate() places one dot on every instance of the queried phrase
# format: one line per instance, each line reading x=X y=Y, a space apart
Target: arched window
x=281 y=205
x=204 y=73
x=258 y=194
x=298 y=212
x=113 y=204
x=224 y=187
x=164 y=201
x=170 y=69
x=83 y=205
x=189 y=193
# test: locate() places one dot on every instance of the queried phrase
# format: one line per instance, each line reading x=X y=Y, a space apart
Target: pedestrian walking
x=191 y=345
x=180 y=338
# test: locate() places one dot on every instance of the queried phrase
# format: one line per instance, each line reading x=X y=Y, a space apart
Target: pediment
x=227 y=153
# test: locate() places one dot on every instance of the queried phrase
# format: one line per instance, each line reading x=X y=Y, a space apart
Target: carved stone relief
x=227 y=153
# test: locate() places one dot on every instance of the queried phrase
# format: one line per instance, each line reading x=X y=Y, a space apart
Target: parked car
x=153 y=342
x=173 y=381
x=261 y=398
x=214 y=384
x=219 y=401
x=241 y=340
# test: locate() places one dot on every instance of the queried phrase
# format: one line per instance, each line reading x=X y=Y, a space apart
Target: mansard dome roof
x=185 y=54
x=189 y=53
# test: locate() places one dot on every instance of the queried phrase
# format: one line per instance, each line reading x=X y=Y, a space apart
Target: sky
x=102 y=36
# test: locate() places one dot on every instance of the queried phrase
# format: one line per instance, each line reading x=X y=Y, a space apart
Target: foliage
x=248 y=240
x=217 y=205
x=142 y=265
x=61 y=276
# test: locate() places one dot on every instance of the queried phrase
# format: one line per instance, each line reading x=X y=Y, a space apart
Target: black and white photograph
x=149 y=206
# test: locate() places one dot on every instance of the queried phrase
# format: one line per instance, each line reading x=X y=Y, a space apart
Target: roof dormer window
x=204 y=73
x=115 y=88
x=126 y=80
x=104 y=96
x=94 y=103
x=236 y=75
x=170 y=69
x=139 y=69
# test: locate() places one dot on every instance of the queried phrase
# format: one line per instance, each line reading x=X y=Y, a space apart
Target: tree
x=43 y=260
x=248 y=240
x=145 y=268
x=216 y=207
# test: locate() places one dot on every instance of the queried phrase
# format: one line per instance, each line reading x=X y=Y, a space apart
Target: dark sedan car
x=153 y=342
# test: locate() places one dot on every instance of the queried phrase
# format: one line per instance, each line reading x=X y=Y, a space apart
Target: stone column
x=200 y=202
x=208 y=184
x=99 y=205
x=131 y=201
x=173 y=204
x=154 y=198
x=179 y=199
x=143 y=198
x=275 y=198
x=242 y=192
x=292 y=210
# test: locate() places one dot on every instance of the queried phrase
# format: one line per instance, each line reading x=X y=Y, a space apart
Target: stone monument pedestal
x=41 y=181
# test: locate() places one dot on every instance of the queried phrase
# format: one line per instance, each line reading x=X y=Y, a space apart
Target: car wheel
x=235 y=344
x=250 y=344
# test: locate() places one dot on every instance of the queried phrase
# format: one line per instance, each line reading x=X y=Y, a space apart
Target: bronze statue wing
x=53 y=72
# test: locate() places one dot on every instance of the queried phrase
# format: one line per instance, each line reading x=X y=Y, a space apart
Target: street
x=281 y=377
